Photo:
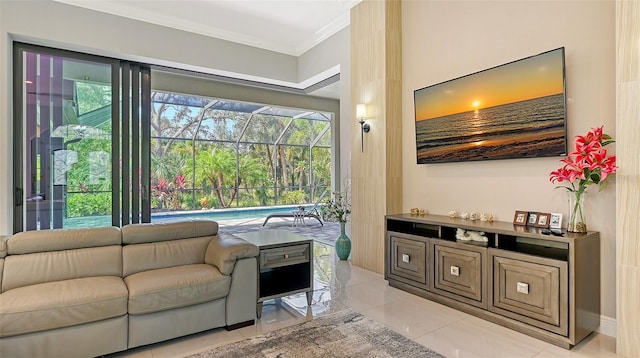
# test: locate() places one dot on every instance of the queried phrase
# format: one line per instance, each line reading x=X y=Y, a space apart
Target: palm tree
x=217 y=166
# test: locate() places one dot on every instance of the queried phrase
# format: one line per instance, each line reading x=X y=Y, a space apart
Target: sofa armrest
x=223 y=252
x=242 y=300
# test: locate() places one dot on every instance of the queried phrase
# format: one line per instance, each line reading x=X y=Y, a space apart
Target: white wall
x=49 y=23
x=334 y=51
x=443 y=40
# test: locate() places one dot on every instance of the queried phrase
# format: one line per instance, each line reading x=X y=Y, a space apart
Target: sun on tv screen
x=516 y=110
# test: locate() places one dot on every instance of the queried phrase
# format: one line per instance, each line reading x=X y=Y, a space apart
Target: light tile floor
x=339 y=285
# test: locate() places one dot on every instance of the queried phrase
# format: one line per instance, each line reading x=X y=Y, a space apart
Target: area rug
x=342 y=334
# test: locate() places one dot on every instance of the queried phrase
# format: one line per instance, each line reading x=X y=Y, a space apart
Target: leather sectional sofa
x=95 y=291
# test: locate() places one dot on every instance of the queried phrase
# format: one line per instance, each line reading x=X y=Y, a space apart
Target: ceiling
x=291 y=27
x=286 y=26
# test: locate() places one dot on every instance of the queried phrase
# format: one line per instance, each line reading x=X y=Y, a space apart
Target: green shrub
x=88 y=204
x=294 y=197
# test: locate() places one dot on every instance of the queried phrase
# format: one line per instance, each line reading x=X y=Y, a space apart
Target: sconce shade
x=361 y=111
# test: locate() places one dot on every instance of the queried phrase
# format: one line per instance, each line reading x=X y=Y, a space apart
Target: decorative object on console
x=473 y=216
x=338 y=208
x=487 y=217
x=414 y=211
x=555 y=222
x=588 y=164
x=453 y=214
x=423 y=212
x=464 y=215
x=520 y=218
x=543 y=220
x=469 y=235
x=533 y=218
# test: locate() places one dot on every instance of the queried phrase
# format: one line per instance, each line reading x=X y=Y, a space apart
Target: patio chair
x=313 y=213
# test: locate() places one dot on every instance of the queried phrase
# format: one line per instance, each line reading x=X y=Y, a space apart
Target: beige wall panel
x=628 y=36
x=628 y=177
x=628 y=342
x=375 y=81
x=394 y=107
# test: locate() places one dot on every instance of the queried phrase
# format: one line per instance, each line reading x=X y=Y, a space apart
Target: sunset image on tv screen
x=515 y=110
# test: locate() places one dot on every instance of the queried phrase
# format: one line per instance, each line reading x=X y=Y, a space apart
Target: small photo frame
x=533 y=218
x=520 y=218
x=543 y=220
x=555 y=221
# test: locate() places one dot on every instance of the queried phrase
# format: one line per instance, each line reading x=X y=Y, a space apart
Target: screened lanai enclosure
x=209 y=153
x=96 y=145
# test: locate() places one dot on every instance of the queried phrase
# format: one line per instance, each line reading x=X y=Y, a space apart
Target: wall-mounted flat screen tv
x=516 y=110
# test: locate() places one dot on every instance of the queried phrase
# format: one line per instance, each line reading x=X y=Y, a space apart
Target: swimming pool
x=213 y=214
x=227 y=214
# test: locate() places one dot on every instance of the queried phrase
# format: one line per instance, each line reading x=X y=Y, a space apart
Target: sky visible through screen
x=534 y=77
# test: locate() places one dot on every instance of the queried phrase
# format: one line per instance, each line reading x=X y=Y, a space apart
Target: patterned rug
x=342 y=334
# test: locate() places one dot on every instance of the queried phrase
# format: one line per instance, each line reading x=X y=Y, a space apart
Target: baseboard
x=608 y=326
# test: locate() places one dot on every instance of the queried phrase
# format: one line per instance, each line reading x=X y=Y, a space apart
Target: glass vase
x=343 y=244
x=577 y=219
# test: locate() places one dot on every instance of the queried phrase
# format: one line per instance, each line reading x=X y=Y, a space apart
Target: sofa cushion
x=41 y=267
x=29 y=242
x=158 y=255
x=173 y=287
x=3 y=247
x=168 y=231
x=59 y=304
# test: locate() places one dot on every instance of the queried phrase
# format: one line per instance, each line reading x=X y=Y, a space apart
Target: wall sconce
x=361 y=114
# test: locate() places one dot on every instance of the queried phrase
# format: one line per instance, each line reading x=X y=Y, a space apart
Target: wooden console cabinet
x=542 y=285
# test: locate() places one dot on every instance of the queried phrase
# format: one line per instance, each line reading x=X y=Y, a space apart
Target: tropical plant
x=293 y=197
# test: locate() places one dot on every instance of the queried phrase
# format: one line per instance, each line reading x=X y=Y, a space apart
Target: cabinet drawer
x=408 y=259
x=460 y=272
x=530 y=289
x=284 y=256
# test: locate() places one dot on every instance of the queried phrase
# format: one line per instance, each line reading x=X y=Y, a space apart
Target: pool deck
x=326 y=234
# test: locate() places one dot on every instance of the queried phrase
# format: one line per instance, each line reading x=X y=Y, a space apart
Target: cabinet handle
x=286 y=256
x=406 y=258
x=522 y=288
x=455 y=271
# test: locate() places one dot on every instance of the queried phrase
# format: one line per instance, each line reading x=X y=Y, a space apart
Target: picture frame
x=533 y=218
x=555 y=221
x=543 y=220
x=520 y=218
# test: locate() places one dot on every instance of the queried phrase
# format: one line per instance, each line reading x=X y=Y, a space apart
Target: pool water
x=214 y=214
x=227 y=214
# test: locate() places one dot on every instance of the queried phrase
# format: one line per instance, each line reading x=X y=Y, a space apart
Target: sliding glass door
x=77 y=140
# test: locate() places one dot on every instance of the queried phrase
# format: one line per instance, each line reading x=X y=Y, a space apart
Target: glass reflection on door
x=67 y=123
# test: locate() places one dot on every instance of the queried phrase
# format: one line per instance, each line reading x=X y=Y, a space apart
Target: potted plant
x=338 y=208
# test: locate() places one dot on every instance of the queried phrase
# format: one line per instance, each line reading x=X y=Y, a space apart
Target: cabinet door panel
x=459 y=272
x=530 y=289
x=408 y=259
